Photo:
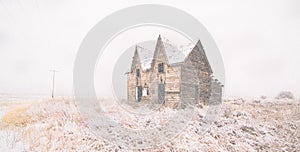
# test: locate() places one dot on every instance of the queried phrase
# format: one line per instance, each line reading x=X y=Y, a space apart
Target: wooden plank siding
x=186 y=82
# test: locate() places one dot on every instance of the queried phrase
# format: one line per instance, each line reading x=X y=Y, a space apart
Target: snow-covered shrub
x=263 y=97
x=285 y=95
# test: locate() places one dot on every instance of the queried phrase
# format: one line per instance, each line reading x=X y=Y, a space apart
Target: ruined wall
x=172 y=85
x=133 y=81
x=198 y=59
x=156 y=77
x=189 y=84
x=216 y=93
x=145 y=83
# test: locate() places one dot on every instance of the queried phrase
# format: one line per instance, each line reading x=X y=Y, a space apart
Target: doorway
x=161 y=93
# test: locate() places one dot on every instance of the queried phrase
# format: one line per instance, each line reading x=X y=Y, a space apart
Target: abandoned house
x=172 y=76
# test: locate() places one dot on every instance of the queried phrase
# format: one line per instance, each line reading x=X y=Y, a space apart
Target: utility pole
x=53 y=78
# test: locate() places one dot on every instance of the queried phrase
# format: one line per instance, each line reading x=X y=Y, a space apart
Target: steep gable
x=135 y=60
x=159 y=53
x=198 y=54
x=168 y=53
x=204 y=57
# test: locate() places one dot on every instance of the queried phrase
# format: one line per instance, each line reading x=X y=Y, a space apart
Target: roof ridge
x=175 y=53
x=143 y=47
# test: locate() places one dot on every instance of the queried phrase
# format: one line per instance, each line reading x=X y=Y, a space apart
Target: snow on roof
x=145 y=57
x=186 y=49
x=174 y=54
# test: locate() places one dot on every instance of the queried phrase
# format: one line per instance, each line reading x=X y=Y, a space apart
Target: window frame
x=161 y=68
x=138 y=73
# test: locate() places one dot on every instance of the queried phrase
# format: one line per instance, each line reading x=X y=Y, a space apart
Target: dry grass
x=17 y=116
x=242 y=126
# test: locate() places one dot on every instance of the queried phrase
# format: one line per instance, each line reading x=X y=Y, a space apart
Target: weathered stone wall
x=131 y=84
x=204 y=74
x=216 y=93
x=189 y=82
x=155 y=76
x=205 y=86
x=133 y=81
x=172 y=85
x=199 y=62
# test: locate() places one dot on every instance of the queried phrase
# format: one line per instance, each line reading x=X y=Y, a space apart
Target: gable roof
x=200 y=49
x=174 y=54
x=203 y=54
x=159 y=47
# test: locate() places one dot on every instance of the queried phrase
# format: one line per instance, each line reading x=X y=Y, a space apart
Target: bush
x=285 y=95
x=263 y=97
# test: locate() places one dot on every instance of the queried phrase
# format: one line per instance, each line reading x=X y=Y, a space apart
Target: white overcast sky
x=258 y=40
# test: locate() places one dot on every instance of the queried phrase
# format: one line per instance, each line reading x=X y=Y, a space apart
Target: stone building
x=171 y=76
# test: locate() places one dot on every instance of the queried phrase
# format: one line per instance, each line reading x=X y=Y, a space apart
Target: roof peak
x=174 y=53
x=199 y=44
x=159 y=37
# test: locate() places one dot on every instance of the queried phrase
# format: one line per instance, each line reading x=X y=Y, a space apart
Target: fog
x=258 y=41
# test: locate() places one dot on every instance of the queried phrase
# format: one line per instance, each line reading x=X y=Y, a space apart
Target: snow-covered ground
x=243 y=124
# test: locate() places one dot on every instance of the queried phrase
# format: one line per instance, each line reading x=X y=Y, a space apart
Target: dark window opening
x=139 y=93
x=161 y=67
x=146 y=90
x=138 y=73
